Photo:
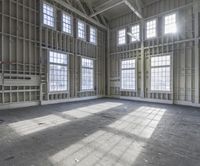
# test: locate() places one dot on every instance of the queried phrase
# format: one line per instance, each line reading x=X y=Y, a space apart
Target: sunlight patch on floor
x=141 y=122
x=82 y=112
x=119 y=143
x=37 y=124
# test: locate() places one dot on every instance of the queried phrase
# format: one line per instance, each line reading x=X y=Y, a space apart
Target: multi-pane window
x=48 y=15
x=151 y=29
x=128 y=74
x=58 y=71
x=81 y=30
x=93 y=35
x=135 y=30
x=160 y=73
x=67 y=23
x=87 y=74
x=121 y=36
x=170 y=24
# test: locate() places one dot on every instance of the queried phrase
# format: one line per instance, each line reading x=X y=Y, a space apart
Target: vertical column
x=196 y=30
x=108 y=63
x=142 y=91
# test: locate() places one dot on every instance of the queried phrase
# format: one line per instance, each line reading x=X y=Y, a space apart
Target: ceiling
x=118 y=10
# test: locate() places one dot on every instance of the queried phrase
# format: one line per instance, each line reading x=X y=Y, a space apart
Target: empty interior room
x=99 y=82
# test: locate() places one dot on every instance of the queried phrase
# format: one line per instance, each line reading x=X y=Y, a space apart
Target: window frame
x=156 y=28
x=92 y=27
x=136 y=41
x=171 y=73
x=72 y=31
x=135 y=88
x=81 y=74
x=54 y=15
x=118 y=44
x=85 y=30
x=48 y=69
x=176 y=16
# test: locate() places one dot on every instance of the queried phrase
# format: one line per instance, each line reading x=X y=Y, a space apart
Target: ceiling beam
x=81 y=6
x=81 y=14
x=107 y=8
x=133 y=9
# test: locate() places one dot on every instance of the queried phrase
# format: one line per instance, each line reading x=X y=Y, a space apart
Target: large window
x=128 y=74
x=81 y=30
x=122 y=36
x=160 y=73
x=93 y=35
x=151 y=29
x=87 y=74
x=135 y=30
x=67 y=23
x=48 y=15
x=58 y=71
x=170 y=24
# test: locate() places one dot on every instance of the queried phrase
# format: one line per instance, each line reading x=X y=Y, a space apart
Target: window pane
x=122 y=36
x=128 y=74
x=87 y=76
x=67 y=23
x=170 y=24
x=58 y=78
x=160 y=73
x=48 y=15
x=93 y=35
x=136 y=33
x=81 y=30
x=57 y=71
x=151 y=29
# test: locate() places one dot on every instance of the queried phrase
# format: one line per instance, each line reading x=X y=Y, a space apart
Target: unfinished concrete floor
x=100 y=132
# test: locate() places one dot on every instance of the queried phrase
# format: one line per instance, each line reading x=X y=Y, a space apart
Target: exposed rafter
x=107 y=8
x=81 y=6
x=70 y=7
x=133 y=9
x=92 y=12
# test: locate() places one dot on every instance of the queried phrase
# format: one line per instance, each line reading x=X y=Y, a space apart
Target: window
x=121 y=36
x=135 y=30
x=128 y=74
x=58 y=71
x=151 y=29
x=67 y=23
x=93 y=35
x=81 y=30
x=170 y=24
x=48 y=15
x=87 y=77
x=160 y=73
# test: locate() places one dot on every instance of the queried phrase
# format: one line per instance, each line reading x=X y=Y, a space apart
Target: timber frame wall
x=183 y=47
x=24 y=47
x=25 y=42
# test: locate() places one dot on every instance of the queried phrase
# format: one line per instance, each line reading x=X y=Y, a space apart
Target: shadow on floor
x=101 y=132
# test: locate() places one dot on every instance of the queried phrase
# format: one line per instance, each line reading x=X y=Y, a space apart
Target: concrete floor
x=100 y=132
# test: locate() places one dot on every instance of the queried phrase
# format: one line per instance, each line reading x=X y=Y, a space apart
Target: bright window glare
x=160 y=73
x=136 y=33
x=170 y=24
x=87 y=74
x=58 y=71
x=122 y=36
x=128 y=74
x=48 y=15
x=67 y=23
x=81 y=30
x=151 y=30
x=93 y=35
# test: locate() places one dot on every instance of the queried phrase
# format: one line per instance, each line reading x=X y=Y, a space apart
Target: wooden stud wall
x=184 y=48
x=24 y=46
